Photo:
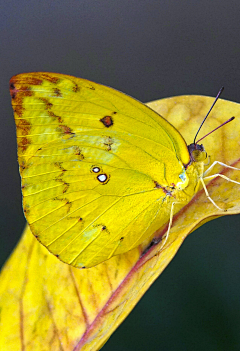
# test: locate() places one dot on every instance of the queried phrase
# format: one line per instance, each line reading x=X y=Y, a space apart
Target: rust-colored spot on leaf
x=107 y=121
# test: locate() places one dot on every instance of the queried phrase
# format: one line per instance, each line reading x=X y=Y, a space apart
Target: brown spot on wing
x=52 y=115
x=107 y=121
x=65 y=129
x=78 y=152
x=102 y=226
x=57 y=92
x=26 y=210
x=46 y=102
x=59 y=165
x=76 y=88
x=22 y=165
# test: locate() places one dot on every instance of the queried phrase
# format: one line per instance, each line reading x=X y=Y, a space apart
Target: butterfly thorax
x=195 y=168
x=189 y=178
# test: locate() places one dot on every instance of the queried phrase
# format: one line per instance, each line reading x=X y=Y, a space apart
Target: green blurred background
x=150 y=50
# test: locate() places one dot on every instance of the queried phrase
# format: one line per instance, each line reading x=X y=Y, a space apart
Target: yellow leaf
x=48 y=305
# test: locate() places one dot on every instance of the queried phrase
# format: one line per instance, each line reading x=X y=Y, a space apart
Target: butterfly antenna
x=217 y=97
x=229 y=120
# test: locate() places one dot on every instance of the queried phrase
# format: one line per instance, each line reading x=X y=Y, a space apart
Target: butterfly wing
x=93 y=163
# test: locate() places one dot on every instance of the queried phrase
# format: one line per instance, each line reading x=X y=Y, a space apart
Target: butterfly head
x=197 y=152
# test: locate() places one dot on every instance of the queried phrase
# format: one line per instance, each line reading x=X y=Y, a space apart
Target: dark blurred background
x=150 y=50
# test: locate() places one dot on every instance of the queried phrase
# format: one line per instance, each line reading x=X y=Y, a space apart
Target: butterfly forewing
x=93 y=163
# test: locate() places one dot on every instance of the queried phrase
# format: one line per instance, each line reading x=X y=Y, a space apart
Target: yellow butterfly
x=101 y=172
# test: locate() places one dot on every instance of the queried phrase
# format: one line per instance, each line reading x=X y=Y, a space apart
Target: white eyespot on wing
x=102 y=178
x=96 y=169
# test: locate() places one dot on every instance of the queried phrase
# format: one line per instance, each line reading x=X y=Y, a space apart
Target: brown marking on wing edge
x=22 y=165
x=76 y=88
x=51 y=78
x=107 y=121
x=17 y=95
x=26 y=210
x=24 y=126
x=23 y=143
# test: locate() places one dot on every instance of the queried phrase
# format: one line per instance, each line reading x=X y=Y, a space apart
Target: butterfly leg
x=208 y=196
x=169 y=224
x=208 y=162
x=220 y=163
x=214 y=176
x=222 y=176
